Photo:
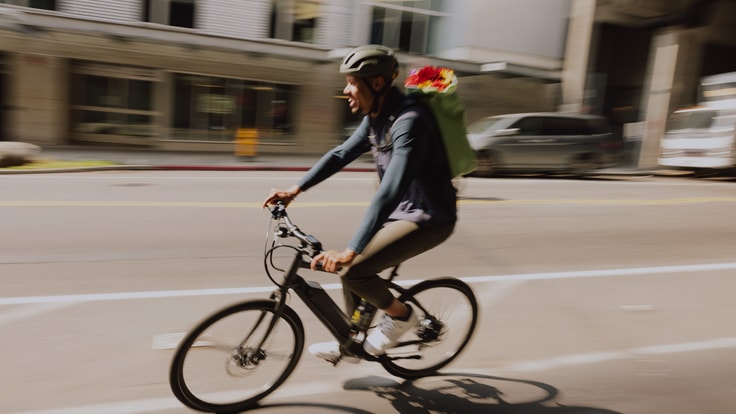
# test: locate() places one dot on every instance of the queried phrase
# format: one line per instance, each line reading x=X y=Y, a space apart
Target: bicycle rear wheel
x=448 y=313
x=231 y=360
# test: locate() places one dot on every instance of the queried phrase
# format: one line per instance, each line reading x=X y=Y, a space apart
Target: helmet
x=370 y=60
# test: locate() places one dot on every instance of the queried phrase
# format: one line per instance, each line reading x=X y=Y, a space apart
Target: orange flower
x=431 y=79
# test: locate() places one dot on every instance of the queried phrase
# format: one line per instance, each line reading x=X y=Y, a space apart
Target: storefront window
x=36 y=4
x=112 y=101
x=404 y=25
x=213 y=109
x=295 y=19
x=171 y=12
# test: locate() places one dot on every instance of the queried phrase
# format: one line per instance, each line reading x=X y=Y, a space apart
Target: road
x=612 y=295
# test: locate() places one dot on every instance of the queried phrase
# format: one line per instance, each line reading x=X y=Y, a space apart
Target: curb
x=167 y=168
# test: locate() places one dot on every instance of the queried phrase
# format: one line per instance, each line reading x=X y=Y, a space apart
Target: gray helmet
x=370 y=60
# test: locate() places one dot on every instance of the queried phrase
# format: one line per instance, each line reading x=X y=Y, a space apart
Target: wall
x=113 y=10
x=247 y=19
x=523 y=32
x=486 y=95
x=38 y=93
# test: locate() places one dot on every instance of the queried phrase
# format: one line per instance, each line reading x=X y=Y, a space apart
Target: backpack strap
x=403 y=112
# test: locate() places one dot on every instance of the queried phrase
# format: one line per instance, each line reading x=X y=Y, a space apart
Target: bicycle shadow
x=463 y=393
x=452 y=393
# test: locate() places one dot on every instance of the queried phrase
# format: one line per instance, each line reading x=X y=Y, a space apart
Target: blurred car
x=701 y=139
x=544 y=142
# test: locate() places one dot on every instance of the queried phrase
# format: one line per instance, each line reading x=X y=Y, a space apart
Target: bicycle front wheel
x=448 y=314
x=236 y=357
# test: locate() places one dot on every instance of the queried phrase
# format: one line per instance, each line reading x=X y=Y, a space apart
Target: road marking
x=31 y=311
x=597 y=357
x=605 y=273
x=95 y=297
x=318 y=387
x=151 y=405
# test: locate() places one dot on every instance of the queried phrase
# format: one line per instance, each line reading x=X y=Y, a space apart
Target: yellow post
x=246 y=141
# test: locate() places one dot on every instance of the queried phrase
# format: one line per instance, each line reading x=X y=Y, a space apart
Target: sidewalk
x=144 y=159
x=125 y=158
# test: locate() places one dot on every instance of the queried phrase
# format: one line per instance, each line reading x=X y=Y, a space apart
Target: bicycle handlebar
x=278 y=211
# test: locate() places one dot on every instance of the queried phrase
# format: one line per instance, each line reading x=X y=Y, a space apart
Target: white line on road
x=596 y=357
x=152 y=405
x=24 y=300
x=31 y=310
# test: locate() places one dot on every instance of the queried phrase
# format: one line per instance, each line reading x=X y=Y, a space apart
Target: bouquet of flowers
x=436 y=87
x=430 y=79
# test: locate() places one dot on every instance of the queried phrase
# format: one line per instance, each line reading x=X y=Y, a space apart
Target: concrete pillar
x=577 y=49
x=689 y=68
x=657 y=94
x=38 y=94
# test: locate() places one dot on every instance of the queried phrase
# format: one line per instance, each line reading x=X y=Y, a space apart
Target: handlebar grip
x=278 y=210
x=320 y=268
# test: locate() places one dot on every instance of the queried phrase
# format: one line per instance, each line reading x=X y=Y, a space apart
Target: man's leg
x=395 y=243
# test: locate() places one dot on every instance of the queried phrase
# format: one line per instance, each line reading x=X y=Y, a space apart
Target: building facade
x=187 y=74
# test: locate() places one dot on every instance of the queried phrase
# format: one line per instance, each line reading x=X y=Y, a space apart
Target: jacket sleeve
x=337 y=158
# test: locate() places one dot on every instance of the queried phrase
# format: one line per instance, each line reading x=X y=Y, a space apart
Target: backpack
x=435 y=89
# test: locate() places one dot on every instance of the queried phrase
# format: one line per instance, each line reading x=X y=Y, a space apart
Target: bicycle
x=237 y=356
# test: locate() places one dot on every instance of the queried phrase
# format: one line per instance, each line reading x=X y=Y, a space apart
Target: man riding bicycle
x=414 y=208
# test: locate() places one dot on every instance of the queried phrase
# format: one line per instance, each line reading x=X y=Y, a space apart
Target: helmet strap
x=376 y=94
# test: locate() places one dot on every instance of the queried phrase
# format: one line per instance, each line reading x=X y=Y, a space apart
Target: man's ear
x=378 y=83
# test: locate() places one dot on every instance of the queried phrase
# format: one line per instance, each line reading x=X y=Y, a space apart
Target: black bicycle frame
x=322 y=305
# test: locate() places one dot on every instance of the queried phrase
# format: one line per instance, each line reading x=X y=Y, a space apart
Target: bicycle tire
x=434 y=345
x=216 y=367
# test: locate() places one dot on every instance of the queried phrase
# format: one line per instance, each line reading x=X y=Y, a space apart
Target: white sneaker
x=330 y=352
x=388 y=332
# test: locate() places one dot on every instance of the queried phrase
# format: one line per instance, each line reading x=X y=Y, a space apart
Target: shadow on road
x=468 y=394
x=453 y=393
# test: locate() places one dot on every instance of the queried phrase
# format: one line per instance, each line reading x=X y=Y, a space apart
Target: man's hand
x=333 y=260
x=285 y=196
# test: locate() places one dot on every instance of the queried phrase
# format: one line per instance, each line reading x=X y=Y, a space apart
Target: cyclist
x=414 y=208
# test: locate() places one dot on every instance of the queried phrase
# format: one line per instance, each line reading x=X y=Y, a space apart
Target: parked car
x=544 y=142
x=701 y=139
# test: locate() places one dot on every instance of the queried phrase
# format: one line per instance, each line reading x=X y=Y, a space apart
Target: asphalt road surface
x=613 y=295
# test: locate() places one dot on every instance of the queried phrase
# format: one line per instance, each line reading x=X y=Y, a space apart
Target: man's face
x=360 y=98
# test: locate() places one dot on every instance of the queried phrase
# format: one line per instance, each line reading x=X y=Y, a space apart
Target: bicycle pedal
x=350 y=359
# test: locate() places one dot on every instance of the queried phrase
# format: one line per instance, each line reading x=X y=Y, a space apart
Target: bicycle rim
x=448 y=313
x=219 y=366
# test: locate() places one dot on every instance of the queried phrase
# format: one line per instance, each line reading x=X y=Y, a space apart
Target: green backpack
x=435 y=88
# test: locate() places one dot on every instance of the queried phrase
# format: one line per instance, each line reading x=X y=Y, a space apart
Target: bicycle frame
x=313 y=294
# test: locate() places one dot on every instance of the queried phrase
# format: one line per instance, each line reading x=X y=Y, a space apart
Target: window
x=36 y=4
x=691 y=120
x=213 y=109
x=178 y=13
x=113 y=101
x=529 y=126
x=404 y=25
x=565 y=126
x=294 y=19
